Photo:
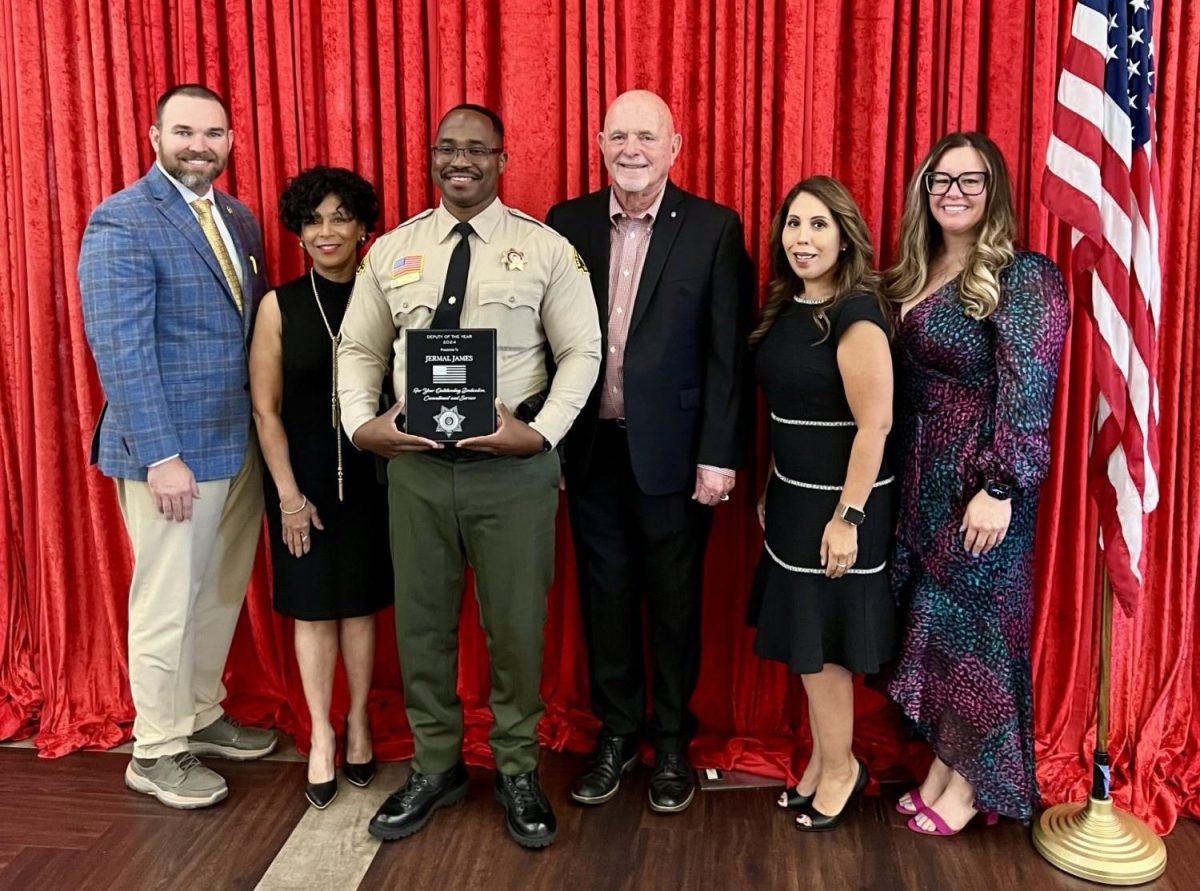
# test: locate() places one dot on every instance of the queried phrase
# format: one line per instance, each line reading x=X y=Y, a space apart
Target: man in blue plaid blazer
x=170 y=271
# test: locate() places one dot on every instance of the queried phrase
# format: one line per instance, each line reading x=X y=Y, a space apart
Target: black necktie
x=449 y=311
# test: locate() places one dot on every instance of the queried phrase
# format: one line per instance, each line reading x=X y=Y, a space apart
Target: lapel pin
x=253 y=264
x=673 y=214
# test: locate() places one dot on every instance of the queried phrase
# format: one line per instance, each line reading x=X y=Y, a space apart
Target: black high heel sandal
x=812 y=820
x=359 y=774
x=795 y=800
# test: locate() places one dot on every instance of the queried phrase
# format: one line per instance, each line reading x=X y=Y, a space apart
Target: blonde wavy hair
x=854 y=269
x=921 y=236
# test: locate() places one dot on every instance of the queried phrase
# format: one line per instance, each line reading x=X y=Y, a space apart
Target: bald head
x=645 y=106
x=639 y=144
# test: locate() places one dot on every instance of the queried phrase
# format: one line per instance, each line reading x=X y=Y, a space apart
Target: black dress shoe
x=614 y=755
x=358 y=774
x=672 y=787
x=409 y=808
x=812 y=820
x=319 y=795
x=527 y=812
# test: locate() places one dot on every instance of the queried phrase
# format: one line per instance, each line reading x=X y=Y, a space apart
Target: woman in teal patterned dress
x=980 y=331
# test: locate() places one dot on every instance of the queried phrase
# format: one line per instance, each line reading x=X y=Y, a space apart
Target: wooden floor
x=71 y=824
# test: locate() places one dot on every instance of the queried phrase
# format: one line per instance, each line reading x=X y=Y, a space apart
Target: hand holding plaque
x=382 y=436
x=514 y=437
x=451 y=383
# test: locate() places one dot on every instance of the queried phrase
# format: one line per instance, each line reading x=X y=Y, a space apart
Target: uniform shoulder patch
x=579 y=264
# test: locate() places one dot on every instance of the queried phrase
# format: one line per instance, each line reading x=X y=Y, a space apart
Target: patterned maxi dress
x=974 y=404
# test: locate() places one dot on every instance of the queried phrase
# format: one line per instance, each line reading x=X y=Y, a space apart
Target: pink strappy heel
x=942 y=829
x=918 y=804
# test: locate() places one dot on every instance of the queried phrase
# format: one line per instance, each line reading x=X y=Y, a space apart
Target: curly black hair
x=307 y=189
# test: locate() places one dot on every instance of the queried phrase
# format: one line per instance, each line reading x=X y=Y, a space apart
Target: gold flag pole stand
x=1097 y=841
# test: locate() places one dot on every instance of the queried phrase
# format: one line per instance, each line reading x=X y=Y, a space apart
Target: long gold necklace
x=335 y=412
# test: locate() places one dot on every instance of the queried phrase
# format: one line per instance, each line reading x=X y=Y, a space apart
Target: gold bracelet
x=288 y=513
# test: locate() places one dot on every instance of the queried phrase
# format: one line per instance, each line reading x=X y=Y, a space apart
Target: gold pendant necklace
x=335 y=341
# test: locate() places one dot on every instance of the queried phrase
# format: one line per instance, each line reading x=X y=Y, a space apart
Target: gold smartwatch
x=851 y=515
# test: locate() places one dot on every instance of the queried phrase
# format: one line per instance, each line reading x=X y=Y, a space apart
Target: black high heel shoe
x=358 y=774
x=320 y=795
x=794 y=800
x=812 y=820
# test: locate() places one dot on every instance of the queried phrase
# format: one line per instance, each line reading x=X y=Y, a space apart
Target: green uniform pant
x=498 y=515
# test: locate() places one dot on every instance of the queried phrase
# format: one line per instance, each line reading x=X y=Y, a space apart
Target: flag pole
x=1099 y=841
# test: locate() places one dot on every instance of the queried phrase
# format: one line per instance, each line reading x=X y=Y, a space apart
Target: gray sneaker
x=226 y=738
x=179 y=781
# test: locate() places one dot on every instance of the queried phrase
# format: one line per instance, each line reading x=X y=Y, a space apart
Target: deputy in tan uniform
x=491 y=501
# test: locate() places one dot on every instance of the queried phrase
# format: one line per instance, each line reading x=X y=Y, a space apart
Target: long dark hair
x=854 y=268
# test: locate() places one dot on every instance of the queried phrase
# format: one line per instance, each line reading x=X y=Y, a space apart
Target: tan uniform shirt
x=525 y=280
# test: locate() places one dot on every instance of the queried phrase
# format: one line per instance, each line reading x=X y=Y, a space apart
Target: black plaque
x=450 y=376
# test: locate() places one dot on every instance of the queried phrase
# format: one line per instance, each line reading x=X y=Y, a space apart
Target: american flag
x=1102 y=178
x=404 y=265
x=449 y=374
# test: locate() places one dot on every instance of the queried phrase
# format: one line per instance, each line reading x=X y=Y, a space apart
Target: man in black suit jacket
x=656 y=446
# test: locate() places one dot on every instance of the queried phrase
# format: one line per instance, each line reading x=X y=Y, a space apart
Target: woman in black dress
x=821 y=600
x=329 y=542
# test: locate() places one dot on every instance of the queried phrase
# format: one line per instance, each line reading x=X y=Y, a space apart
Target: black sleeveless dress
x=803 y=618
x=348 y=570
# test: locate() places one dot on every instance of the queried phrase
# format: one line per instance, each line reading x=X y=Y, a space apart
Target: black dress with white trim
x=805 y=619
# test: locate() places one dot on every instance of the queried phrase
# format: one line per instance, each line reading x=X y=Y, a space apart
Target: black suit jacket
x=685 y=358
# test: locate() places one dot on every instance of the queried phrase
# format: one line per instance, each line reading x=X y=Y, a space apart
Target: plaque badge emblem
x=514 y=260
x=448 y=420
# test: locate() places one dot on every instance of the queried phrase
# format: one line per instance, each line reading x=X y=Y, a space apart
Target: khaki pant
x=497 y=515
x=189 y=582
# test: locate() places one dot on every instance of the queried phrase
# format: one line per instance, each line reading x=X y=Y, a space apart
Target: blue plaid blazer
x=169 y=342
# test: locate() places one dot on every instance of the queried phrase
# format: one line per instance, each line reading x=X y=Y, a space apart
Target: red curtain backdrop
x=764 y=93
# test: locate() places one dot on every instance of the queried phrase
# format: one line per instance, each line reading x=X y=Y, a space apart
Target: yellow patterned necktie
x=213 y=234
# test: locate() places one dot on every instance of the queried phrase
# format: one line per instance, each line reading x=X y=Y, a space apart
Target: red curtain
x=764 y=94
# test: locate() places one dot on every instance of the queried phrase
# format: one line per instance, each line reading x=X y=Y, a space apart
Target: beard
x=632 y=181
x=196 y=180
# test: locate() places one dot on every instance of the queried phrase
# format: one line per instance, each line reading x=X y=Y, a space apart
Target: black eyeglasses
x=972 y=182
x=450 y=152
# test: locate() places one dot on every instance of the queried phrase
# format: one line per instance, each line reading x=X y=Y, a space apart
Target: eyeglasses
x=474 y=152
x=972 y=182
